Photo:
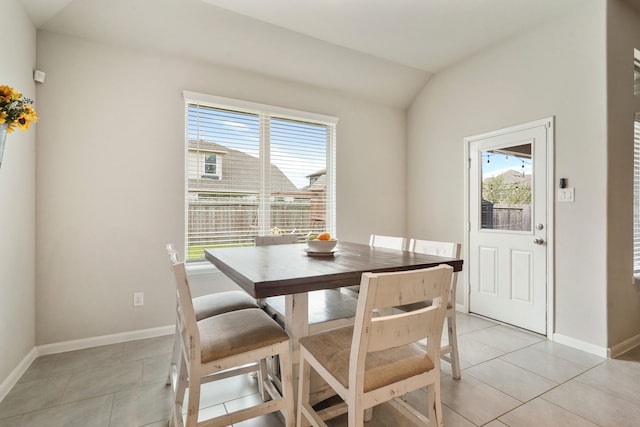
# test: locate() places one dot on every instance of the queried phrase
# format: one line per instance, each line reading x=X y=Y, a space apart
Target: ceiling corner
x=41 y=11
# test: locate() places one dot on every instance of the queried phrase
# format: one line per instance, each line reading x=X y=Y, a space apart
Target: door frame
x=549 y=123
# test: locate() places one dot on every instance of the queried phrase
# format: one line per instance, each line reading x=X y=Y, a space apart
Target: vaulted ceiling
x=380 y=50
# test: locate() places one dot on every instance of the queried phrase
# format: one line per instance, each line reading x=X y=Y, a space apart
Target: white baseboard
x=14 y=376
x=61 y=347
x=624 y=346
x=80 y=344
x=581 y=345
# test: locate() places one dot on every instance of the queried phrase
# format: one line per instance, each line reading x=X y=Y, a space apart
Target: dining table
x=291 y=270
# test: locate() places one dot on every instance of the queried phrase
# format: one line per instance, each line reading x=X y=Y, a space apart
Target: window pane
x=299 y=177
x=222 y=212
x=210 y=164
x=507 y=188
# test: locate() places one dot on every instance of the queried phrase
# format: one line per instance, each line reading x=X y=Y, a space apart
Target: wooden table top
x=264 y=271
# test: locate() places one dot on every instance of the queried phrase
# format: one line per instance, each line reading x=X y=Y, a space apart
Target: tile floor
x=510 y=378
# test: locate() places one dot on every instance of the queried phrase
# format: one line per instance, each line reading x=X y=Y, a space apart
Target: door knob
x=538 y=241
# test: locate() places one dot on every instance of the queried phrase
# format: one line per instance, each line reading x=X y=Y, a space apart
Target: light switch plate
x=566 y=194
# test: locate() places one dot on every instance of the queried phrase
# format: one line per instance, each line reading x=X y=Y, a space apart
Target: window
x=507 y=188
x=211 y=165
x=203 y=163
x=255 y=169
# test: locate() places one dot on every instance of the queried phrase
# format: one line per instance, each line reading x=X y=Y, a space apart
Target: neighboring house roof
x=318 y=173
x=240 y=172
x=318 y=181
x=513 y=176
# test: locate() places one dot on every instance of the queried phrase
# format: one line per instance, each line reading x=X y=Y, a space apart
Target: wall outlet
x=138 y=299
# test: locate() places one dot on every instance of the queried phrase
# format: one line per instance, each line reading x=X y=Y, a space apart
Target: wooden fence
x=219 y=222
x=506 y=217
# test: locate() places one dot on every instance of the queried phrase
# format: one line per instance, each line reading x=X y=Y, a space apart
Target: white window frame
x=270 y=111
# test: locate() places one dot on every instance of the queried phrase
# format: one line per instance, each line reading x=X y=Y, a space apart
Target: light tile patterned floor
x=509 y=378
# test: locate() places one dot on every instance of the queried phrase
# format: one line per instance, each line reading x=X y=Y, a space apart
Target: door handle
x=538 y=241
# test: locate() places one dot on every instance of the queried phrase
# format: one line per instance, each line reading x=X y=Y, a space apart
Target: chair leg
x=453 y=342
x=303 y=392
x=368 y=415
x=435 y=405
x=263 y=376
x=275 y=366
x=356 y=416
x=178 y=392
x=194 y=399
x=287 y=388
x=174 y=356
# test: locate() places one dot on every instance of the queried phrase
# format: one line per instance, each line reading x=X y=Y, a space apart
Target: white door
x=508 y=226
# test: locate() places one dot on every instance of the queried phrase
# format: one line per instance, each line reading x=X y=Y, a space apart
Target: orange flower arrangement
x=15 y=110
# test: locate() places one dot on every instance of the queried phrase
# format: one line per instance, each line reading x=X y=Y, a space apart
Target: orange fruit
x=324 y=236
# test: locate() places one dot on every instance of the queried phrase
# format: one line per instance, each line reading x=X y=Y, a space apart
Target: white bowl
x=321 y=245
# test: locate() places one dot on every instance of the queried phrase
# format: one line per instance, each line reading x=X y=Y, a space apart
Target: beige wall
x=110 y=171
x=110 y=177
x=623 y=298
x=17 y=197
x=556 y=70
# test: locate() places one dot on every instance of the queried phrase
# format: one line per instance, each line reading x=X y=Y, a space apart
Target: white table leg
x=296 y=323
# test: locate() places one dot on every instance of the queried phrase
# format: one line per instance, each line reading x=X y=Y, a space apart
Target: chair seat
x=332 y=349
x=222 y=302
x=236 y=332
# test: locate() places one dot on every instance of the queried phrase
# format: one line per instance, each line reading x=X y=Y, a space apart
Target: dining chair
x=380 y=241
x=450 y=351
x=221 y=346
x=204 y=307
x=389 y=242
x=378 y=359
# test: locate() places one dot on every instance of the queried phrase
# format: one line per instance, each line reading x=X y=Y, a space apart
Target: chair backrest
x=444 y=249
x=173 y=254
x=281 y=239
x=430 y=247
x=384 y=290
x=389 y=242
x=186 y=313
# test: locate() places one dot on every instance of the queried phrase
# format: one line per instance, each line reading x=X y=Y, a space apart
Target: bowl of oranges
x=321 y=243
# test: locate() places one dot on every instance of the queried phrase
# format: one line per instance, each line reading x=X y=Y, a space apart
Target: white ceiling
x=380 y=50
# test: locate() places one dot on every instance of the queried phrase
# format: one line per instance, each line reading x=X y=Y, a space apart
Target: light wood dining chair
x=378 y=359
x=450 y=351
x=380 y=241
x=204 y=306
x=221 y=346
x=389 y=242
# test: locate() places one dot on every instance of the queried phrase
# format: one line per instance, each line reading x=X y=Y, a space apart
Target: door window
x=507 y=188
